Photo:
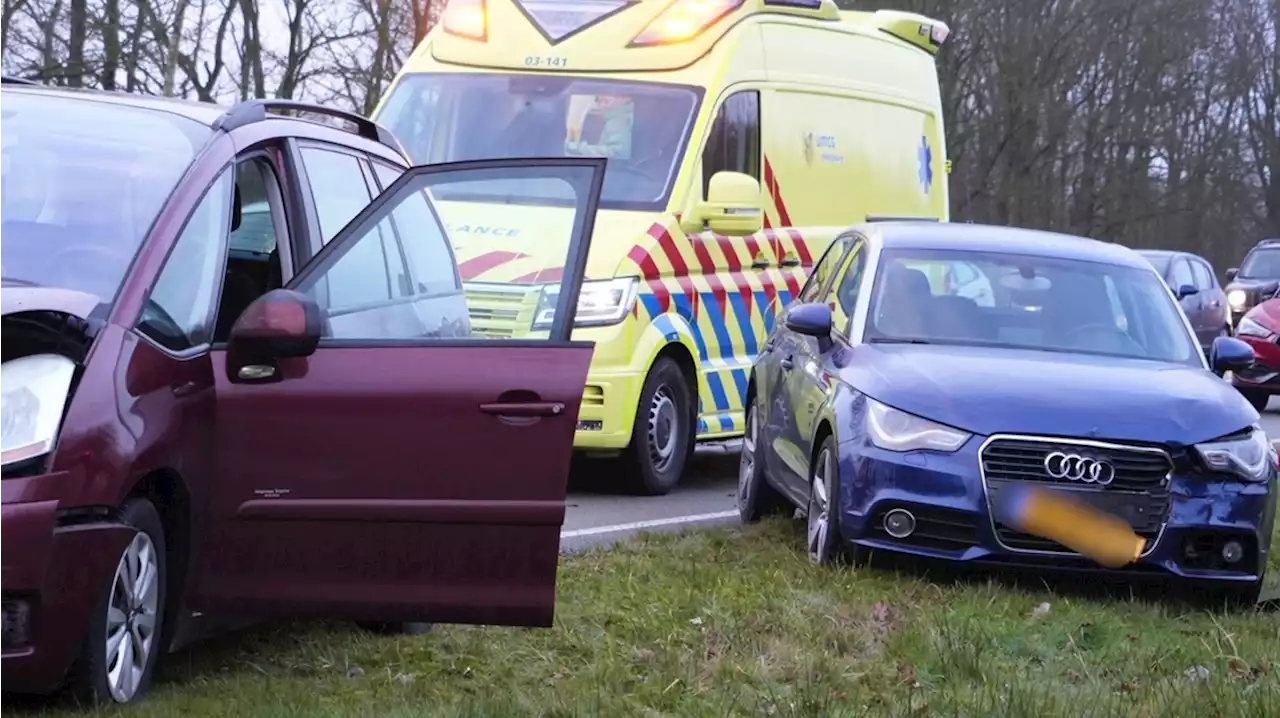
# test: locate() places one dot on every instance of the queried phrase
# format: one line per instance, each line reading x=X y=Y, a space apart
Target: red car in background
x=1260 y=327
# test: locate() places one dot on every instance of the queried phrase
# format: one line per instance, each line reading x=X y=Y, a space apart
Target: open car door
x=379 y=459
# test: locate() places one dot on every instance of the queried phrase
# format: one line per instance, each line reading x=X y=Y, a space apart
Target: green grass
x=739 y=623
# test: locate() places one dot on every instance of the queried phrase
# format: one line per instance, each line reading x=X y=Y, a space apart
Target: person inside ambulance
x=606 y=129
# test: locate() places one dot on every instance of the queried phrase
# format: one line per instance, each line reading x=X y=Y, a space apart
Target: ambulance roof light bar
x=684 y=20
x=923 y=32
x=467 y=19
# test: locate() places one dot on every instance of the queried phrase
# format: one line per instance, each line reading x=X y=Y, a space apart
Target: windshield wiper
x=897 y=340
x=15 y=282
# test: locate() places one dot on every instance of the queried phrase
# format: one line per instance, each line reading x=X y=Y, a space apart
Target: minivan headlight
x=33 y=395
x=1247 y=456
x=896 y=430
x=601 y=302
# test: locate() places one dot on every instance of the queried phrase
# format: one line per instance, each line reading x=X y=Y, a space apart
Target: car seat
x=239 y=289
x=959 y=318
x=905 y=305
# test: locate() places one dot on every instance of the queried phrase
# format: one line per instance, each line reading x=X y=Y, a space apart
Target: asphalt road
x=599 y=514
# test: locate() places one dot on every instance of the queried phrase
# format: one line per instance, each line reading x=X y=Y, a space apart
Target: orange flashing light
x=684 y=20
x=466 y=18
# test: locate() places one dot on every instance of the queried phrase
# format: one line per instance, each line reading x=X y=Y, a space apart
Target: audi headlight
x=33 y=394
x=601 y=302
x=1247 y=456
x=897 y=430
x=1236 y=298
x=1249 y=328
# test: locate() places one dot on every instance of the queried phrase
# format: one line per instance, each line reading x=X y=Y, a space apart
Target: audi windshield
x=1041 y=303
x=83 y=181
x=641 y=127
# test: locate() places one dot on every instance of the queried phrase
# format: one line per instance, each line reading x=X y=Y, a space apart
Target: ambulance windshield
x=640 y=127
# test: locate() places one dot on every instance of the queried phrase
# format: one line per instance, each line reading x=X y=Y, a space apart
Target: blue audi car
x=928 y=371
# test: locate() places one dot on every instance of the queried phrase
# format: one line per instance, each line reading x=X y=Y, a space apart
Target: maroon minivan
x=239 y=379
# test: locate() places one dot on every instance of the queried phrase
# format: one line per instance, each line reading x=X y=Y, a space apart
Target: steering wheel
x=1071 y=336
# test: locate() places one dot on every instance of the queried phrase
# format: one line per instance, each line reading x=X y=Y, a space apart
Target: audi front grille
x=1138 y=490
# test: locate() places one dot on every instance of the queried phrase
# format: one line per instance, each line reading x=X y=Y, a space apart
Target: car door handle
x=760 y=263
x=790 y=261
x=787 y=362
x=524 y=408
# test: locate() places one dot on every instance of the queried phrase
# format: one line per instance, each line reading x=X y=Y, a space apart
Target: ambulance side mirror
x=733 y=205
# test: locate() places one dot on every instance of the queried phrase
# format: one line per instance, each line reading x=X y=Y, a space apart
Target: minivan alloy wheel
x=132 y=612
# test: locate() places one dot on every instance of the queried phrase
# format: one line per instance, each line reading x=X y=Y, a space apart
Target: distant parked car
x=1256 y=280
x=1196 y=287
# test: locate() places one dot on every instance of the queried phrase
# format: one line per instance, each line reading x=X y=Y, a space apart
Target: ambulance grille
x=501 y=311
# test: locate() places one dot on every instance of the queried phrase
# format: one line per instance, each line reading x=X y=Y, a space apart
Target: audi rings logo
x=1074 y=467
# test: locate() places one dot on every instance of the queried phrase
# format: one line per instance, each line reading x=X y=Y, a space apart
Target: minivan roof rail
x=257 y=110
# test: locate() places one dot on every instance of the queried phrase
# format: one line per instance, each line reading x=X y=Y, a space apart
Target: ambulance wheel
x=662 y=440
x=122 y=645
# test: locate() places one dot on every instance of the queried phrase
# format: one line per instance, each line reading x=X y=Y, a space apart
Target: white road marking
x=653 y=523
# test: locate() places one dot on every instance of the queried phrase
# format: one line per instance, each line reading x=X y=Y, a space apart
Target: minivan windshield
x=641 y=127
x=1043 y=303
x=1261 y=264
x=83 y=180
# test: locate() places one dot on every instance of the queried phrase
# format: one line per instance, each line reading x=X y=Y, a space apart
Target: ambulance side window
x=733 y=144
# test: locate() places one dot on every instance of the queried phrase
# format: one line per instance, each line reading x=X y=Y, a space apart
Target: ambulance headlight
x=33 y=394
x=601 y=302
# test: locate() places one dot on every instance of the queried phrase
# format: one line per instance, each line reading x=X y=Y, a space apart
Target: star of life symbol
x=925 y=157
x=557 y=19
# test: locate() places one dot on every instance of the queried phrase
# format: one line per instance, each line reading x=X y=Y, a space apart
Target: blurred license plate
x=1089 y=531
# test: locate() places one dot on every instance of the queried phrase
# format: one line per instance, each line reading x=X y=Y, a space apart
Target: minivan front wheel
x=124 y=640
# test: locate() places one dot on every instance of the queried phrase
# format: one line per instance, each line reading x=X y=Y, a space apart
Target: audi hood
x=987 y=391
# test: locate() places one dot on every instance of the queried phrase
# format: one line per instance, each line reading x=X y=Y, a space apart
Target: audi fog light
x=1244 y=455
x=1232 y=552
x=33 y=394
x=600 y=302
x=896 y=430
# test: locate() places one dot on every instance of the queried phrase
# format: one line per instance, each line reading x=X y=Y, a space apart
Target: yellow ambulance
x=741 y=137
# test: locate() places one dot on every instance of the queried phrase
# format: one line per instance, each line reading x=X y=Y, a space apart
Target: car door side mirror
x=281 y=324
x=1229 y=354
x=1231 y=273
x=1187 y=290
x=733 y=206
x=812 y=320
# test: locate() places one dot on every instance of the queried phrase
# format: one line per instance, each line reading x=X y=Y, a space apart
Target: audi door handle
x=524 y=408
x=787 y=362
